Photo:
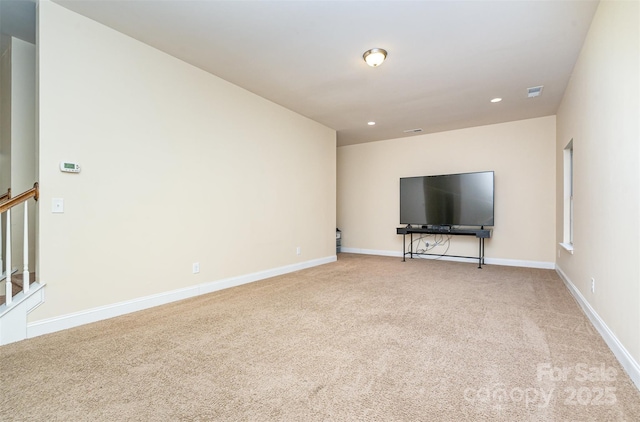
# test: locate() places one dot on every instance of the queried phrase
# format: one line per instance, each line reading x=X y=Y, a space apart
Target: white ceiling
x=446 y=59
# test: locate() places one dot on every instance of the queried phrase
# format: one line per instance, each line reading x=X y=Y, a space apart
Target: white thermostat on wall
x=69 y=167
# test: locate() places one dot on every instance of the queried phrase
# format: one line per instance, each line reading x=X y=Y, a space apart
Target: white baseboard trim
x=627 y=361
x=488 y=261
x=521 y=263
x=76 y=319
x=372 y=252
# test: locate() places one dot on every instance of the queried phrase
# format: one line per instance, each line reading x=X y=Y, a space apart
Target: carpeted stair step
x=17 y=281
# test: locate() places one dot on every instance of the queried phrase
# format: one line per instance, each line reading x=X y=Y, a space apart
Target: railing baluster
x=8 y=287
x=6 y=204
x=3 y=197
x=25 y=257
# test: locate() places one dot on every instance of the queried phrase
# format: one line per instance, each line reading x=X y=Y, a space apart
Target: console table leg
x=480 y=253
x=404 y=248
x=411 y=245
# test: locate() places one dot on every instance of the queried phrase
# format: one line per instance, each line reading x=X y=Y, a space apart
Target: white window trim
x=568 y=220
x=568 y=247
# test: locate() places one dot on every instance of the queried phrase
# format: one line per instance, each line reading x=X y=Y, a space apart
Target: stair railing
x=5 y=207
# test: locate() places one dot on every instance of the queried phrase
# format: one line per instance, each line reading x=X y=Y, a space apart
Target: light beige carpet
x=364 y=338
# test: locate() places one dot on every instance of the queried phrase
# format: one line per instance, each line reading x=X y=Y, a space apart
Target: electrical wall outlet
x=593 y=285
x=196 y=267
x=298 y=250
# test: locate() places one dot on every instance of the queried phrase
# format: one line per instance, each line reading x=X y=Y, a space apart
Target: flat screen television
x=465 y=199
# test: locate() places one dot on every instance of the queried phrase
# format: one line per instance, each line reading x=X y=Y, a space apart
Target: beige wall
x=5 y=113
x=522 y=155
x=23 y=115
x=178 y=166
x=18 y=138
x=600 y=112
x=5 y=135
x=23 y=143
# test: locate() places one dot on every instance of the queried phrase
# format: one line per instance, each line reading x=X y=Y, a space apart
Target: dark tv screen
x=450 y=199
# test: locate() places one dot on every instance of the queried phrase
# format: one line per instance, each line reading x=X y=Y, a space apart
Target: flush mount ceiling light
x=496 y=100
x=375 y=56
x=371 y=123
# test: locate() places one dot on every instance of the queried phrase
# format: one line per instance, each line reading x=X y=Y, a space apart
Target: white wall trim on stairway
x=13 y=318
x=488 y=261
x=76 y=319
x=627 y=361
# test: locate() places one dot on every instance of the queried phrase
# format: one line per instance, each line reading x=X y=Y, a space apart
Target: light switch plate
x=57 y=205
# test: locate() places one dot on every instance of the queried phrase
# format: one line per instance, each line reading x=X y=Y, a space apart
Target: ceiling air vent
x=534 y=91
x=418 y=130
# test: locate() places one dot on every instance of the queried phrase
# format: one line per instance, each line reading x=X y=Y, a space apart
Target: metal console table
x=481 y=234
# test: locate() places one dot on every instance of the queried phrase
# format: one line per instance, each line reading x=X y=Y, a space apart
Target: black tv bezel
x=451 y=224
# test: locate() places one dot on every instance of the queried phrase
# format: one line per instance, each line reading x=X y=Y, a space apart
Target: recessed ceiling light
x=371 y=123
x=496 y=100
